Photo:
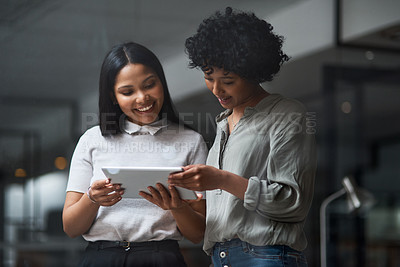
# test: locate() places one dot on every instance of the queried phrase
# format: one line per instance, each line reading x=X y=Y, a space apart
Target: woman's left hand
x=164 y=199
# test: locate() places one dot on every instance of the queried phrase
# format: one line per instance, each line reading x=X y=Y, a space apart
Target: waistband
x=236 y=242
x=230 y=243
x=155 y=245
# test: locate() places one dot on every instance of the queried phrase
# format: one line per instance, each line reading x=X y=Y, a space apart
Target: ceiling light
x=20 y=173
x=346 y=107
x=60 y=163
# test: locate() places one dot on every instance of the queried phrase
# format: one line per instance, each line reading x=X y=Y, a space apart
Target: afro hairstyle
x=237 y=42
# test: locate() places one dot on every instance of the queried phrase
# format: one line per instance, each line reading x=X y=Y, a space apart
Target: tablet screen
x=136 y=179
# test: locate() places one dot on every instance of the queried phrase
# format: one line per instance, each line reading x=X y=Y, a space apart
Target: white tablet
x=136 y=179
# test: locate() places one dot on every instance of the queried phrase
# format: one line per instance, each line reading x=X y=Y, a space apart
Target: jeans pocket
x=265 y=252
x=298 y=257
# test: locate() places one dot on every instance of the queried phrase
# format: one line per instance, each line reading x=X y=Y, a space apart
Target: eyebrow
x=131 y=86
x=148 y=78
x=124 y=86
x=223 y=77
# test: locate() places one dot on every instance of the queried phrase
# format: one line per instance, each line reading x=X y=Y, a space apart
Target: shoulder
x=288 y=105
x=92 y=135
x=93 y=139
x=92 y=132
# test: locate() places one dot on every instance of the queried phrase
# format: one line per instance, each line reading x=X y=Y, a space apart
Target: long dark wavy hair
x=238 y=42
x=111 y=115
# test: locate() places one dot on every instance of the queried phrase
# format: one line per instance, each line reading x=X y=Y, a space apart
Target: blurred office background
x=345 y=67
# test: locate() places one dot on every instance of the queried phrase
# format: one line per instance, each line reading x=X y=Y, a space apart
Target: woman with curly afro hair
x=260 y=170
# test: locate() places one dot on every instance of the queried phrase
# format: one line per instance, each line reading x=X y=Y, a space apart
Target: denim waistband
x=237 y=242
x=230 y=243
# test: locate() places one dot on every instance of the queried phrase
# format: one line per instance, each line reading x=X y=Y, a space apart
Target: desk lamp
x=358 y=199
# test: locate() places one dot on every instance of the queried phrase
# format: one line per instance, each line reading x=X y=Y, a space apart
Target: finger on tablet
x=163 y=191
x=174 y=193
x=148 y=197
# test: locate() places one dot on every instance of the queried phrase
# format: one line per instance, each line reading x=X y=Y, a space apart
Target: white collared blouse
x=161 y=144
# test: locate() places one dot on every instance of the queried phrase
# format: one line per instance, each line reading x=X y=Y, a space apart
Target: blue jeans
x=236 y=253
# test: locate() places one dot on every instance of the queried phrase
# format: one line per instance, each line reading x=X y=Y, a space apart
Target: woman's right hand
x=80 y=209
x=203 y=177
x=104 y=193
x=198 y=178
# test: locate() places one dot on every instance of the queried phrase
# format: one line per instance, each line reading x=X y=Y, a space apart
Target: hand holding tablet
x=136 y=179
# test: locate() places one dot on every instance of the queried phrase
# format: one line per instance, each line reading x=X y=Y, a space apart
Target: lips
x=144 y=109
x=224 y=100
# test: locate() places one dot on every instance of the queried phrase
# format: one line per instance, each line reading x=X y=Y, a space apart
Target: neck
x=259 y=94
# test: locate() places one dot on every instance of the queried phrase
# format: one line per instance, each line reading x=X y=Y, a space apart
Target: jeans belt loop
x=245 y=246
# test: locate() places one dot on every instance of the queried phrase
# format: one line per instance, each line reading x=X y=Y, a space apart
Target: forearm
x=191 y=223
x=234 y=184
x=78 y=214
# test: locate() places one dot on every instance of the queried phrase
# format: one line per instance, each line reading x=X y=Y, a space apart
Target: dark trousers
x=164 y=253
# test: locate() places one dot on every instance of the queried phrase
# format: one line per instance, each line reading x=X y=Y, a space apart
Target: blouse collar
x=221 y=119
x=152 y=128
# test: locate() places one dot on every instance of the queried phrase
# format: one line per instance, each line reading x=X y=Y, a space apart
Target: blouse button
x=222 y=254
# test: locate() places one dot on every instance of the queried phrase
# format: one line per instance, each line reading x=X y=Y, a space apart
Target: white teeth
x=146 y=108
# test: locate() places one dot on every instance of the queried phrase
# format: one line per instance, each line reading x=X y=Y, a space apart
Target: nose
x=141 y=97
x=216 y=88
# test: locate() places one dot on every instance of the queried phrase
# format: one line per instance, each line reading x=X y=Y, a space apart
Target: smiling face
x=139 y=93
x=232 y=91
